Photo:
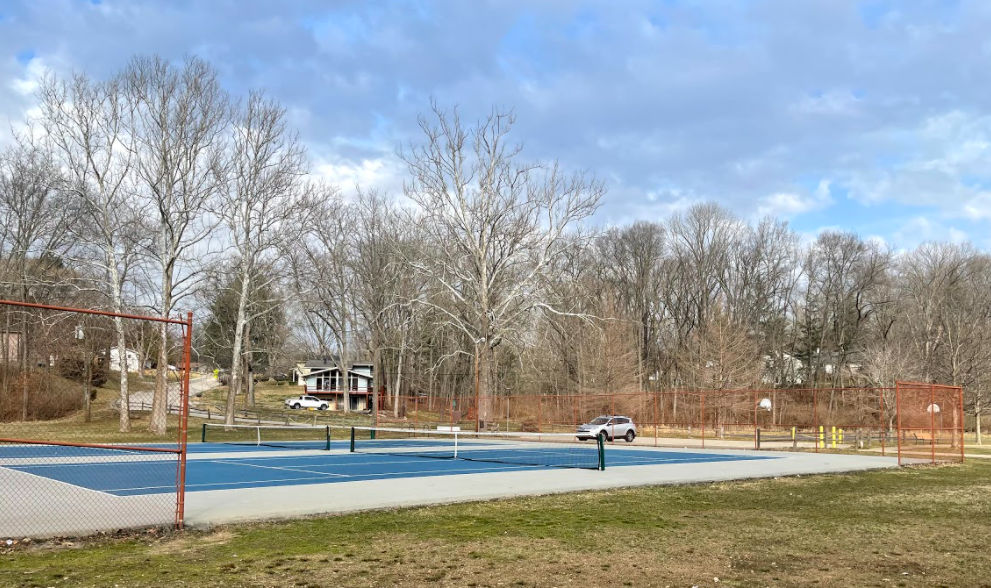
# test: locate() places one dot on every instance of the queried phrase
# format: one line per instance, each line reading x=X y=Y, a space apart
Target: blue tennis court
x=214 y=466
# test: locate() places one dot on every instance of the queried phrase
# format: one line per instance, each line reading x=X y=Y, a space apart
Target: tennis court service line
x=283 y=468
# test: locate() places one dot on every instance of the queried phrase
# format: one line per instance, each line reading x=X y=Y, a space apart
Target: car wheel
x=296 y=406
x=604 y=437
x=630 y=435
x=323 y=407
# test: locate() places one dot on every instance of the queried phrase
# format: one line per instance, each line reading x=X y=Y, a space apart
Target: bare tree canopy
x=486 y=275
x=180 y=117
x=497 y=225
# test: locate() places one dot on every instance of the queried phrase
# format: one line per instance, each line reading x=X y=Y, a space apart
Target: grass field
x=909 y=527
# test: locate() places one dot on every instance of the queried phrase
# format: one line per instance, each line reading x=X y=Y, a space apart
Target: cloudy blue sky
x=873 y=116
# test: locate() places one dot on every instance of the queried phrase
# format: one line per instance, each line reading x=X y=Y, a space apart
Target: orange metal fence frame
x=818 y=419
x=180 y=450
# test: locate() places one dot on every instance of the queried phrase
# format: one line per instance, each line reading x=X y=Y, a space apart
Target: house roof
x=329 y=362
x=319 y=371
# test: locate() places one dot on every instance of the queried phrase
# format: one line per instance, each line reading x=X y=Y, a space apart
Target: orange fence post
x=883 y=430
x=961 y=421
x=932 y=422
x=756 y=445
x=656 y=424
x=815 y=418
x=898 y=417
x=574 y=410
x=703 y=419
x=612 y=411
x=187 y=347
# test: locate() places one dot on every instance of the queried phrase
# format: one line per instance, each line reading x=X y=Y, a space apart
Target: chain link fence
x=72 y=461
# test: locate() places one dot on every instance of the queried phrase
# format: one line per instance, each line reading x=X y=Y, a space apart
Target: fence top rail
x=121 y=447
x=157 y=319
x=670 y=391
x=927 y=385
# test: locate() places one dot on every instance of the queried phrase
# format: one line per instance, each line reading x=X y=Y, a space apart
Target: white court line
x=74 y=486
x=171 y=462
x=634 y=462
x=356 y=477
x=507 y=467
x=324 y=475
x=251 y=483
x=286 y=469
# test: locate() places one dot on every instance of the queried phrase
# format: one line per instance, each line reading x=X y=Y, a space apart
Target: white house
x=131 y=361
x=322 y=378
x=12 y=339
x=787 y=366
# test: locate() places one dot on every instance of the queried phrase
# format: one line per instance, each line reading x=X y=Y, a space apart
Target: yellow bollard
x=793 y=433
x=832 y=436
x=841 y=436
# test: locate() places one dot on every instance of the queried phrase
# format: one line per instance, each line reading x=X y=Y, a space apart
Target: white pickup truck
x=307 y=402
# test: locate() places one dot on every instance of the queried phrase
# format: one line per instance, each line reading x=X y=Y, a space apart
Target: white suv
x=609 y=428
x=307 y=402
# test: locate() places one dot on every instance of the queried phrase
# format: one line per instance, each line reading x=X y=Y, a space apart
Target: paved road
x=141 y=400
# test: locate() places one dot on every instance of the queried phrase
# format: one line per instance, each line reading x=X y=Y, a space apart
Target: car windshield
x=599 y=421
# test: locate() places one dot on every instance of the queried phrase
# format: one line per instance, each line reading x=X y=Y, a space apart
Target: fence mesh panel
x=812 y=419
x=930 y=422
x=69 y=464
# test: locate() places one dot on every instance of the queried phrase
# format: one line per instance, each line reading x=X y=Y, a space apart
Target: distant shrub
x=48 y=395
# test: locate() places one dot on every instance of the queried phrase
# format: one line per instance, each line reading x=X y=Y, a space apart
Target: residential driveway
x=199 y=383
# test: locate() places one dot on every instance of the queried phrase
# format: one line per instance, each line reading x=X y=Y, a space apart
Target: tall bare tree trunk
x=376 y=373
x=977 y=413
x=160 y=400
x=486 y=383
x=124 y=422
x=237 y=351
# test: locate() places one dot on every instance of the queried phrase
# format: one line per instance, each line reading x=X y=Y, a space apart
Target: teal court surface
x=227 y=483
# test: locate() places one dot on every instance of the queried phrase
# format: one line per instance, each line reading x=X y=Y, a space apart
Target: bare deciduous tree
x=325 y=279
x=181 y=114
x=261 y=203
x=496 y=224
x=632 y=265
x=88 y=122
x=33 y=238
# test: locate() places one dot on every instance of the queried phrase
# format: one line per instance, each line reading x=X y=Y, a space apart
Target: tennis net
x=561 y=450
x=284 y=436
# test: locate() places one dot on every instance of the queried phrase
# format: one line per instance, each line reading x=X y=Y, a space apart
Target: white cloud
x=955 y=235
x=740 y=105
x=790 y=204
x=27 y=83
x=366 y=173
x=878 y=240
x=978 y=207
x=920 y=229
